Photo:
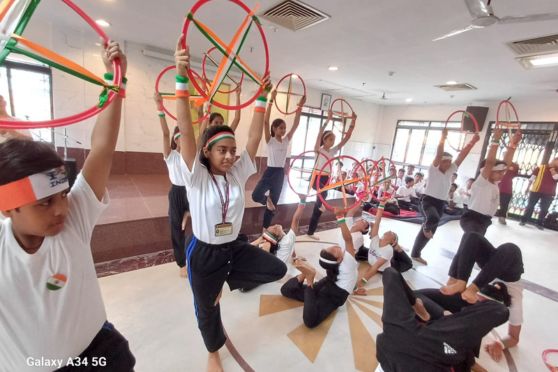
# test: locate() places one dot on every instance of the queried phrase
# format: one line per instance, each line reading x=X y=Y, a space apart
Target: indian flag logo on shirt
x=56 y=282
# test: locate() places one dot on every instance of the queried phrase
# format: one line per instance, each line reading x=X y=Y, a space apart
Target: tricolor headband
x=270 y=237
x=325 y=260
x=218 y=137
x=32 y=188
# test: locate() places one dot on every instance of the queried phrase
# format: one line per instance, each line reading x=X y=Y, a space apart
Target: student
x=380 y=252
x=50 y=300
x=436 y=193
x=216 y=184
x=465 y=192
x=405 y=193
x=542 y=186
x=420 y=184
x=410 y=170
x=506 y=192
x=485 y=194
x=504 y=263
x=454 y=177
x=324 y=146
x=216 y=119
x=277 y=147
x=448 y=343
x=178 y=199
x=324 y=297
x=400 y=181
x=454 y=207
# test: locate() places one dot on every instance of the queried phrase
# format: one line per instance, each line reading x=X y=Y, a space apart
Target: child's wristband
x=161 y=114
x=381 y=206
x=363 y=280
x=341 y=220
x=260 y=104
x=182 y=87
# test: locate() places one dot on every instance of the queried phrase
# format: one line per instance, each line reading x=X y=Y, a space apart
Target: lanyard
x=225 y=200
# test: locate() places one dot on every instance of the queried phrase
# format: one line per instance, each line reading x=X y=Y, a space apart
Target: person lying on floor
x=504 y=263
x=414 y=339
x=322 y=298
x=381 y=254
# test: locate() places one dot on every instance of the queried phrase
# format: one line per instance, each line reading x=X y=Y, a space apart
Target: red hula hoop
x=357 y=199
x=185 y=28
x=301 y=157
x=117 y=81
x=500 y=105
x=279 y=83
x=341 y=100
x=465 y=113
x=545 y=359
x=158 y=82
x=204 y=73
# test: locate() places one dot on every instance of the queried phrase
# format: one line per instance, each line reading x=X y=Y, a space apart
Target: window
x=24 y=103
x=416 y=142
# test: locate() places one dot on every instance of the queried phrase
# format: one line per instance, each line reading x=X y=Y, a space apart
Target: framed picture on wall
x=326 y=102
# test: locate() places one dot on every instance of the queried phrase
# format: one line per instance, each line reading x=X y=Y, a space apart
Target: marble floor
x=153 y=308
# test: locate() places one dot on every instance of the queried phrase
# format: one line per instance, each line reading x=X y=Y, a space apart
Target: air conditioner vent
x=539 y=45
x=456 y=87
x=294 y=15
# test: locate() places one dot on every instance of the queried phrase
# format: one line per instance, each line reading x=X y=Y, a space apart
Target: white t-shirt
x=348 y=273
x=375 y=252
x=419 y=187
x=465 y=195
x=439 y=183
x=399 y=182
x=285 y=246
x=485 y=197
x=277 y=152
x=358 y=238
x=205 y=203
x=405 y=193
x=457 y=199
x=321 y=161
x=515 y=290
x=36 y=321
x=174 y=164
x=382 y=190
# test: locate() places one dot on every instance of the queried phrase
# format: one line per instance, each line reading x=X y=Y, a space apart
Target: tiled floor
x=153 y=308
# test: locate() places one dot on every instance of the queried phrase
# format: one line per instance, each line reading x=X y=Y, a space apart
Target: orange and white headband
x=447 y=157
x=32 y=188
x=218 y=137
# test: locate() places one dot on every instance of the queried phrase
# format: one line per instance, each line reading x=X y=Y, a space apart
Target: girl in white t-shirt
x=324 y=146
x=216 y=185
x=178 y=198
x=324 y=297
x=215 y=118
x=485 y=194
x=277 y=140
x=51 y=306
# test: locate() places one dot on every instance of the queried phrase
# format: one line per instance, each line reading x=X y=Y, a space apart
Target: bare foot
x=360 y=291
x=214 y=363
x=269 y=204
x=420 y=260
x=183 y=272
x=307 y=270
x=457 y=287
x=451 y=281
x=470 y=294
x=421 y=311
x=315 y=237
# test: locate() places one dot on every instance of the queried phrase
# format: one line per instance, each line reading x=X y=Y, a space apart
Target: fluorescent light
x=333 y=68
x=451 y=82
x=409 y=100
x=102 y=23
x=545 y=60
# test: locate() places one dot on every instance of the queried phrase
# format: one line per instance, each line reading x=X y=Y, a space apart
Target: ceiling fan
x=483 y=16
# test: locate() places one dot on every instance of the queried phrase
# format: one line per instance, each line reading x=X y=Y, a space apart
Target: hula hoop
x=463 y=136
x=226 y=52
x=381 y=174
x=509 y=124
x=342 y=114
x=52 y=123
x=341 y=184
x=312 y=172
x=167 y=96
x=545 y=355
x=291 y=76
x=207 y=57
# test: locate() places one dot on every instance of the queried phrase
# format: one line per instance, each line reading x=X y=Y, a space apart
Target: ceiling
x=366 y=39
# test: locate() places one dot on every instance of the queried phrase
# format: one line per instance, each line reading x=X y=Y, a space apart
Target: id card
x=223 y=229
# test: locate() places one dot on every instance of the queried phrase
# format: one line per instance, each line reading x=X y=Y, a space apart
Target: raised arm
x=296 y=121
x=345 y=232
x=491 y=156
x=267 y=127
x=255 y=133
x=349 y=133
x=236 y=118
x=466 y=150
x=96 y=169
x=202 y=109
x=163 y=123
x=378 y=219
x=184 y=116
x=440 y=148
x=295 y=222
x=512 y=146
x=321 y=131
